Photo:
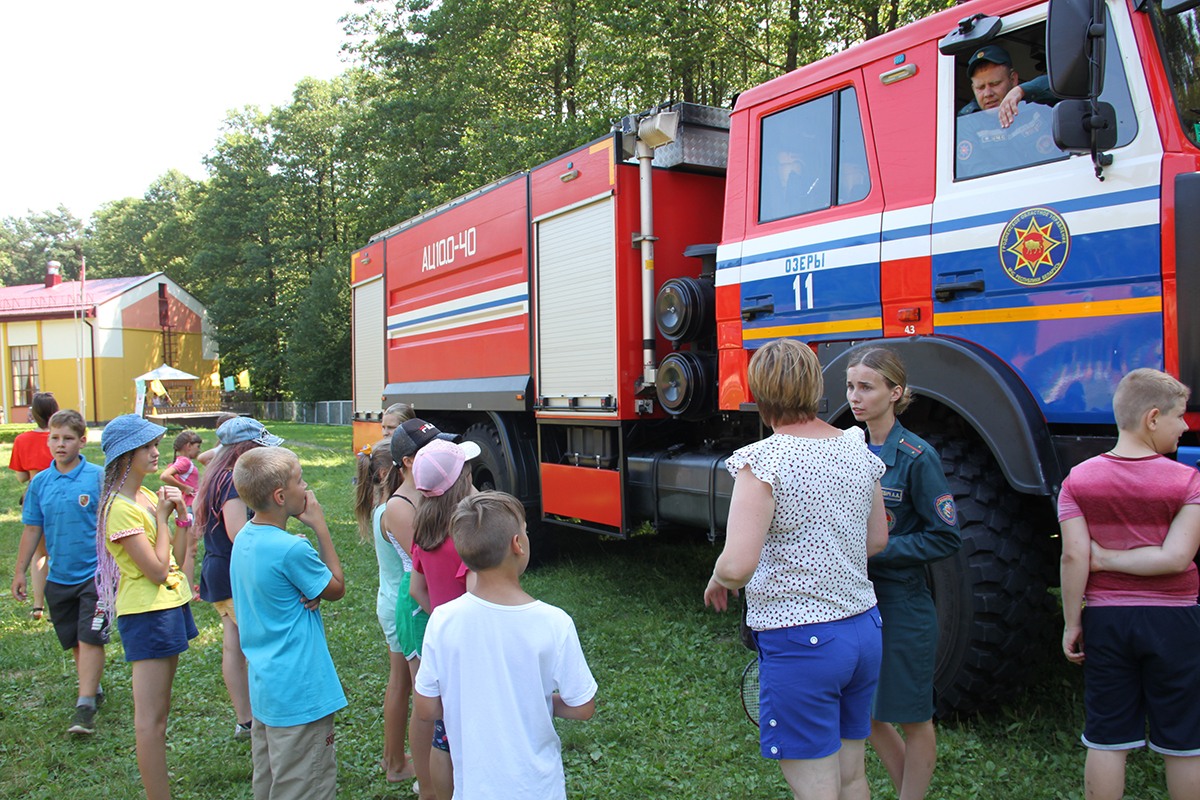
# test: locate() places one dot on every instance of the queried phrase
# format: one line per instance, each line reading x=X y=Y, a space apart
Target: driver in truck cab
x=996 y=85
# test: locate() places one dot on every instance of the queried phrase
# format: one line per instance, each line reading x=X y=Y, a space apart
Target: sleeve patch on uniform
x=893 y=495
x=946 y=510
x=891 y=519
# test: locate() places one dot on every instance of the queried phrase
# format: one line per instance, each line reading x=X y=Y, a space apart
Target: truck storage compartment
x=584 y=493
x=458 y=302
x=577 y=322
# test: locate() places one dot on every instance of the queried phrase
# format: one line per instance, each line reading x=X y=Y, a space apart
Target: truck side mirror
x=970 y=34
x=1178 y=6
x=1075 y=33
x=1074 y=40
x=1075 y=120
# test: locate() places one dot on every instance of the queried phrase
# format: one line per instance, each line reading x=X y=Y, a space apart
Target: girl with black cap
x=399 y=521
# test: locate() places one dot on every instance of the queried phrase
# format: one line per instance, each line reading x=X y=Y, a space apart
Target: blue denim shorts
x=815 y=685
x=157 y=634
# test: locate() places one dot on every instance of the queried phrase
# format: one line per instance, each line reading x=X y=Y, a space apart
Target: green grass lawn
x=668 y=724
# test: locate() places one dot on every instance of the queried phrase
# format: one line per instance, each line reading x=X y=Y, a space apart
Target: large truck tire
x=490 y=469
x=993 y=604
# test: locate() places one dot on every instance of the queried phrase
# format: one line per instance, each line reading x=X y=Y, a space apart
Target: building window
x=24 y=361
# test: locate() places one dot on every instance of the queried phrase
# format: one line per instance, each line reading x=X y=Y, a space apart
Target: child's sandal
x=38 y=612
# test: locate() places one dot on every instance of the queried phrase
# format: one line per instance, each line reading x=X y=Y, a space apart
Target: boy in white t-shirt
x=497 y=666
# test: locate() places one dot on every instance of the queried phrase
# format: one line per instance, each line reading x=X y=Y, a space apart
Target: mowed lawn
x=668 y=724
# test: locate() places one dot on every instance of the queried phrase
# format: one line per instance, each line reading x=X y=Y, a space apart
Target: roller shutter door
x=577 y=316
x=368 y=345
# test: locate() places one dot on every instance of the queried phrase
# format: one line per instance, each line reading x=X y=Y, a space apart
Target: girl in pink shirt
x=184 y=475
x=443 y=478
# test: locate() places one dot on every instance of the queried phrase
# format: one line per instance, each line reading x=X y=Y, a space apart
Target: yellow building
x=128 y=327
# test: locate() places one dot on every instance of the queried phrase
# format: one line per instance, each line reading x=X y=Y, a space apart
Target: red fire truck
x=589 y=322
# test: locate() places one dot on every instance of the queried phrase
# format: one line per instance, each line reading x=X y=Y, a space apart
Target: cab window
x=982 y=145
x=813 y=157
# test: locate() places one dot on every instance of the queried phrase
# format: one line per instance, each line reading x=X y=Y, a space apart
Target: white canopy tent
x=165 y=373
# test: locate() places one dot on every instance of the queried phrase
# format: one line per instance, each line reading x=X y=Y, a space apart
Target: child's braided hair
x=108 y=575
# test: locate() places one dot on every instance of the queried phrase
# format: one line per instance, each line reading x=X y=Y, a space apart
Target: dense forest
x=442 y=96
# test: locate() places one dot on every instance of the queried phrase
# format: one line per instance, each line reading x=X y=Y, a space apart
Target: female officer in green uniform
x=922 y=528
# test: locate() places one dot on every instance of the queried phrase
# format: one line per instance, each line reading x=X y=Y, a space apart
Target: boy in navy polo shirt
x=278 y=580
x=61 y=506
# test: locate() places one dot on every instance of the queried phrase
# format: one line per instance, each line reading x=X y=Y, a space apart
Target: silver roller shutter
x=368 y=345
x=577 y=316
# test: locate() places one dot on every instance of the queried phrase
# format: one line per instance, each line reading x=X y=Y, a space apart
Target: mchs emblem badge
x=945 y=509
x=1034 y=246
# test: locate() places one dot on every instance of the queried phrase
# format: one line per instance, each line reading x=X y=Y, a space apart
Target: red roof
x=35 y=298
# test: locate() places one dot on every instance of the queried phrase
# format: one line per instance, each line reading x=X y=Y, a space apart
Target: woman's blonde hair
x=887 y=364
x=785 y=379
x=401 y=411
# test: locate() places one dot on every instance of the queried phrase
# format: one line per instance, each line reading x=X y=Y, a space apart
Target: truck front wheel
x=489 y=470
x=993 y=607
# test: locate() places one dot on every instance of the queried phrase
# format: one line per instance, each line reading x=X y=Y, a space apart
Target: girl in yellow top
x=138 y=578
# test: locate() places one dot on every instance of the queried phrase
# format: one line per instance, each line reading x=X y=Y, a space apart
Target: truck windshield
x=1178 y=37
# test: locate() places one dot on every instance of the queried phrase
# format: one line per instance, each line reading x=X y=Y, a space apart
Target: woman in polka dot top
x=806 y=512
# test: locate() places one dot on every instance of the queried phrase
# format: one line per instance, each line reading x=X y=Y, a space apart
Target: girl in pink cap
x=443 y=477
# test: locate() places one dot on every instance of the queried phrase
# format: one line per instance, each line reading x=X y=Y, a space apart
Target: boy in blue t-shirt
x=61 y=506
x=278 y=581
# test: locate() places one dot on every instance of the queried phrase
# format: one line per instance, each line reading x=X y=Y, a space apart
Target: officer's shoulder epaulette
x=911 y=448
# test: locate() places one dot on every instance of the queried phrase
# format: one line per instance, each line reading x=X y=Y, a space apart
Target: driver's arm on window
x=1007 y=110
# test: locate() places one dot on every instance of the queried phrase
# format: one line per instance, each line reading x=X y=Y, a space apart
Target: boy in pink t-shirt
x=184 y=475
x=1130 y=530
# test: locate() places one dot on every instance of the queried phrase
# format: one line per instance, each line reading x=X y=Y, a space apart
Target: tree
x=118 y=238
x=29 y=243
x=171 y=245
x=234 y=269
x=136 y=236
x=318 y=352
x=280 y=205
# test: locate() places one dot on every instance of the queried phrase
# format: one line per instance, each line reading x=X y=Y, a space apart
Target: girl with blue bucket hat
x=138 y=578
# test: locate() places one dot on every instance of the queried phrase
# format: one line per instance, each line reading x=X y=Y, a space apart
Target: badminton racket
x=750 y=691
